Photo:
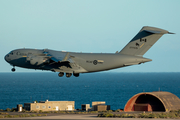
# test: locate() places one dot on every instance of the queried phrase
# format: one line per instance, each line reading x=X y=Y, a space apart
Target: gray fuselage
x=75 y=63
x=82 y=62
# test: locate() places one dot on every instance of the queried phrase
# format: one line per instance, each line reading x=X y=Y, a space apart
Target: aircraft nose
x=7 y=58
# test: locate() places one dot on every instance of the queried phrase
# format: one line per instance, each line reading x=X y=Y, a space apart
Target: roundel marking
x=95 y=62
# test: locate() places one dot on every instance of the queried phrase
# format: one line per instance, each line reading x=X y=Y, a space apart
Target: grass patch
x=93 y=112
x=172 y=114
x=8 y=109
x=3 y=113
x=22 y=115
x=33 y=115
x=118 y=110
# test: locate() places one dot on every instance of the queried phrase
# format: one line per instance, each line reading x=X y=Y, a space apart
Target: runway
x=78 y=117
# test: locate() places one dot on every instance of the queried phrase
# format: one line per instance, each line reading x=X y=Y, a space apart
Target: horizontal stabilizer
x=131 y=64
x=152 y=31
x=170 y=33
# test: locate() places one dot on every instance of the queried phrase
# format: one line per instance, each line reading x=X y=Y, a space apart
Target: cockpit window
x=11 y=53
x=17 y=53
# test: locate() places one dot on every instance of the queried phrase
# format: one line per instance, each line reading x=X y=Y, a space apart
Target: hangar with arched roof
x=153 y=101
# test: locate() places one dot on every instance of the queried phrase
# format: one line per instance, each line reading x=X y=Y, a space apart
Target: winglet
x=171 y=33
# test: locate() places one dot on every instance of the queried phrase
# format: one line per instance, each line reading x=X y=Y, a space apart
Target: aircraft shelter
x=153 y=101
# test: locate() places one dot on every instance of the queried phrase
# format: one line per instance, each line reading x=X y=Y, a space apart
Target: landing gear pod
x=68 y=74
x=61 y=74
x=76 y=74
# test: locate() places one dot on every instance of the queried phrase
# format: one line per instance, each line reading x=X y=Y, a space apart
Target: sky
x=90 y=26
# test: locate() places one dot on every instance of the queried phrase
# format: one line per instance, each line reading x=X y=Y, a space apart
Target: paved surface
x=76 y=116
x=81 y=117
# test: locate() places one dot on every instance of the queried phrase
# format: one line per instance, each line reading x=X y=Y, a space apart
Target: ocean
x=113 y=88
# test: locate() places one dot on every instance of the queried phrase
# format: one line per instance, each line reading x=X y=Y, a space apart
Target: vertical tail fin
x=143 y=41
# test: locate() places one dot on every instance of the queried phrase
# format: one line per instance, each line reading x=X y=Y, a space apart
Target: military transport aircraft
x=75 y=63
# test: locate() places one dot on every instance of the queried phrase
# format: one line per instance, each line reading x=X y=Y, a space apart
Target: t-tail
x=143 y=41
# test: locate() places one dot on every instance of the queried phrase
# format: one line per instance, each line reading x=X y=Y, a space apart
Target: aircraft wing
x=58 y=56
x=68 y=65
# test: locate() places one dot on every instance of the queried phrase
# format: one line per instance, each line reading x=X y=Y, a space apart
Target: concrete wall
x=85 y=107
x=50 y=106
x=101 y=107
x=97 y=103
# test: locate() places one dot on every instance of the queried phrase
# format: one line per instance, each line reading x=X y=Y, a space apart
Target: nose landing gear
x=13 y=69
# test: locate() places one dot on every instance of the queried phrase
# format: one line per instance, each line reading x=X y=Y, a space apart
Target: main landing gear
x=61 y=74
x=68 y=75
x=76 y=74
